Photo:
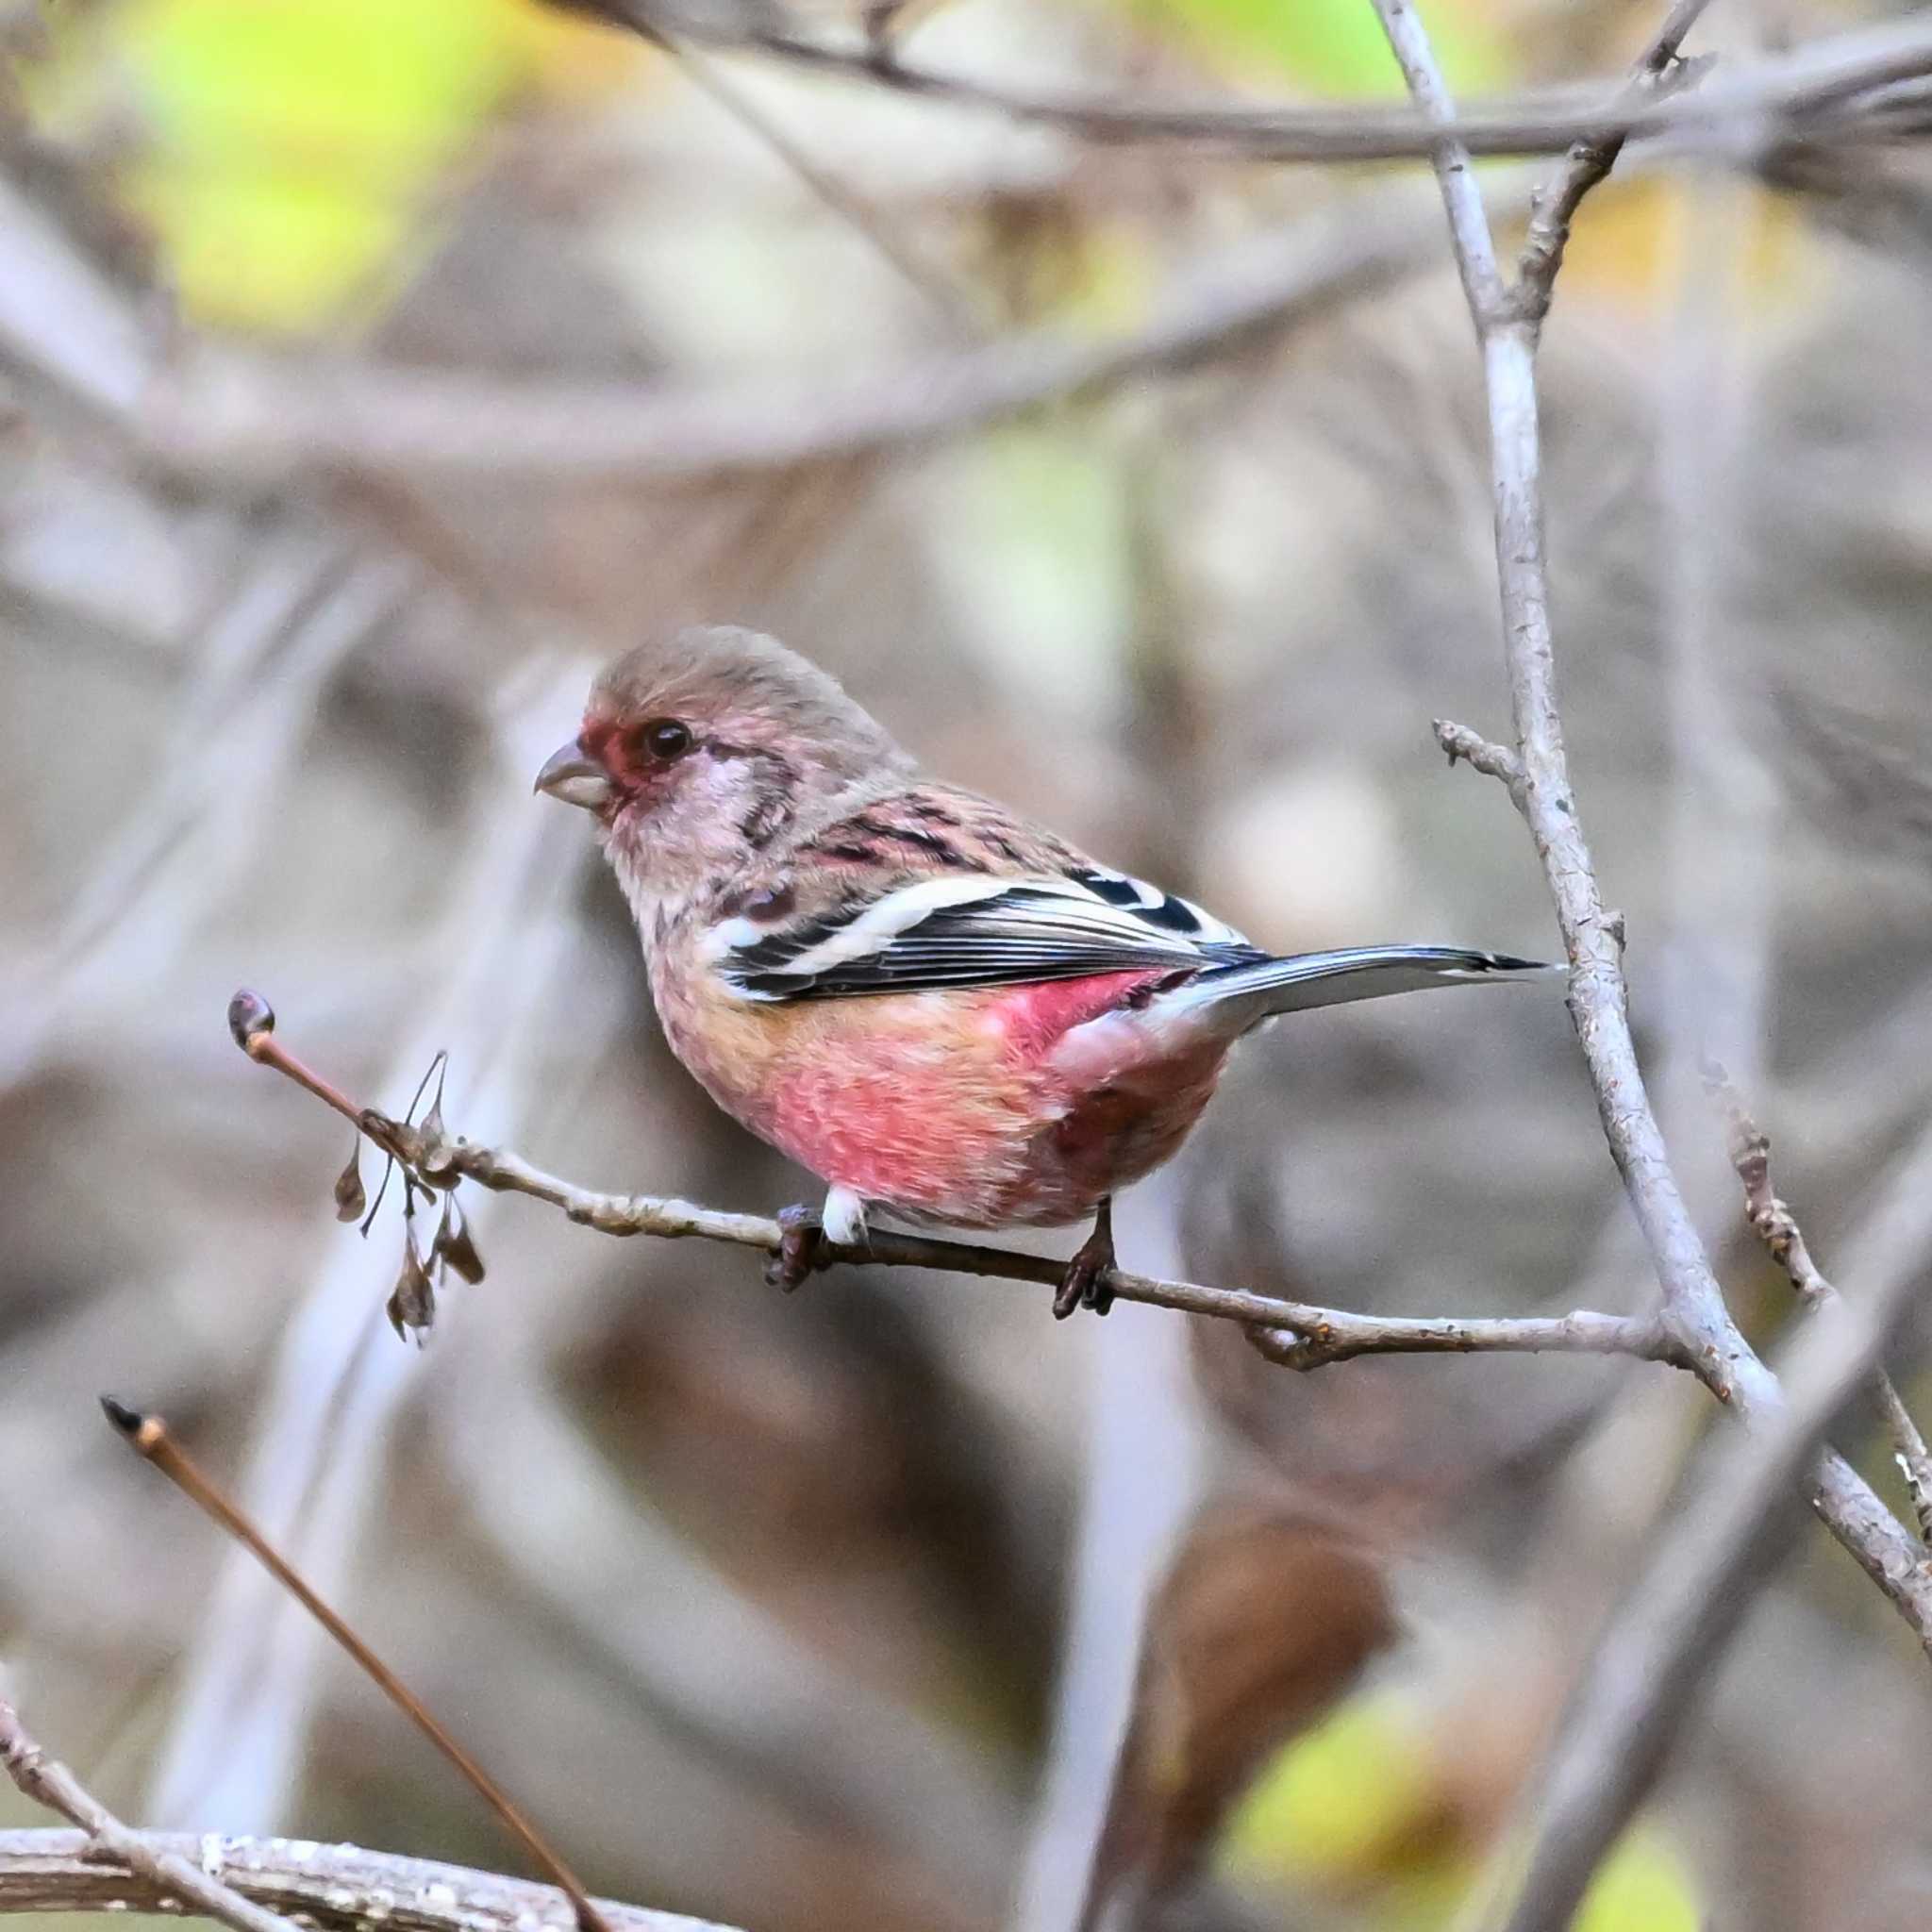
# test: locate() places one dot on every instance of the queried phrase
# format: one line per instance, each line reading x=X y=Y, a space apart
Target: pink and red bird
x=945 y=1012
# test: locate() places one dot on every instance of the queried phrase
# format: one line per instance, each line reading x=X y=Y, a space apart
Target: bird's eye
x=663 y=738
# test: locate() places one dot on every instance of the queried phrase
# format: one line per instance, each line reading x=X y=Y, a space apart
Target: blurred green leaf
x=1333 y=1797
x=1354 y=1805
x=292 y=141
x=1335 y=47
x=1642 y=1887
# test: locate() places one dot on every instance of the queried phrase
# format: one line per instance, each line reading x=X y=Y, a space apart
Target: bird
x=945 y=1012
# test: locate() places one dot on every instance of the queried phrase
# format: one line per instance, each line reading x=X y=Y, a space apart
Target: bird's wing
x=945 y=930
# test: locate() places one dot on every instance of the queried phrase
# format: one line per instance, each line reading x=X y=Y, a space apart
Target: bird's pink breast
x=954 y=1106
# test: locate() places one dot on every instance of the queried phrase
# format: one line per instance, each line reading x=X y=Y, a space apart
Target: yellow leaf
x=1642 y=1887
x=293 y=143
x=1332 y=1799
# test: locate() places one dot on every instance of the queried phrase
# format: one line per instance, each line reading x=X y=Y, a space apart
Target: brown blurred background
x=825 y=1612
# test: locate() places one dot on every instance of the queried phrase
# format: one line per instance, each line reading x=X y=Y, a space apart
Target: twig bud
x=248 y=1015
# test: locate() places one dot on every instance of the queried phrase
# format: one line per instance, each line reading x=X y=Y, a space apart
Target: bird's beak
x=576 y=779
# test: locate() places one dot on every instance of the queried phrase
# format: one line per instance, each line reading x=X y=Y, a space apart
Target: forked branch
x=1774 y=1224
x=166 y=1874
x=1536 y=774
x=1632 y=1696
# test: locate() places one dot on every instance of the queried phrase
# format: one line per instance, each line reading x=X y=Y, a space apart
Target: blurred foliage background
x=826 y=1613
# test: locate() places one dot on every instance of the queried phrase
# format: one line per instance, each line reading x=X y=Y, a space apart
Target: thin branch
x=1449 y=154
x=1656 y=1654
x=339 y=1887
x=1776 y=1227
x=1555 y=206
x=149 y=1437
x=1814 y=84
x=1582 y=1332
x=174 y=1877
x=1331 y=1334
x=1626 y=1711
x=1497 y=762
x=1693 y=1308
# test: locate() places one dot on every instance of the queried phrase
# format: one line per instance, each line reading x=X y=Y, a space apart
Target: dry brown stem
x=149 y=1436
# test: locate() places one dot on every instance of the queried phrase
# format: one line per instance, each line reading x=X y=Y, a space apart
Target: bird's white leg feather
x=844 y=1218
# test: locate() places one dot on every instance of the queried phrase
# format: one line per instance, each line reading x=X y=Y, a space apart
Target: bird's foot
x=801 y=1249
x=1084 y=1284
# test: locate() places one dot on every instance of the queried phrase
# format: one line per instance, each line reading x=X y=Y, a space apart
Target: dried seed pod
x=432 y=1150
x=350 y=1199
x=412 y=1301
x=453 y=1244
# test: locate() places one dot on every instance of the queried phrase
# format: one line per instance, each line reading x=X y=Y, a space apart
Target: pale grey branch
x=1613 y=1738
x=1645 y=1672
x=1555 y=205
x=1496 y=760
x=169 y=1876
x=1581 y=1332
x=339 y=1887
x=1693 y=1308
x=1777 y=1227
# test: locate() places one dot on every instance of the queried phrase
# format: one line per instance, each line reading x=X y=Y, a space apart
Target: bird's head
x=698 y=749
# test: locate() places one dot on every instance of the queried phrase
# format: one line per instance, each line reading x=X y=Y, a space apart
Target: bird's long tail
x=1246 y=996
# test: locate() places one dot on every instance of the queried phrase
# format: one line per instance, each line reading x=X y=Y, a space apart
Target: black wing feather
x=1028 y=933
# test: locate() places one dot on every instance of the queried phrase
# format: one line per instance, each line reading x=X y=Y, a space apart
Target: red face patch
x=639 y=757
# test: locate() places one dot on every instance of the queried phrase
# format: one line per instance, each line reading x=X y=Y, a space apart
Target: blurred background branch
x=1831 y=77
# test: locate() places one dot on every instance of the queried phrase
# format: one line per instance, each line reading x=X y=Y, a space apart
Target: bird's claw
x=801 y=1246
x=1084 y=1284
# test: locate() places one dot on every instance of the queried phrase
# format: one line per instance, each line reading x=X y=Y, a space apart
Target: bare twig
x=1324 y=1334
x=174 y=1877
x=340 y=1887
x=1580 y=1333
x=149 y=1436
x=1776 y=1227
x=1626 y=1711
x=1693 y=1308
x=1449 y=154
x=1459 y=741
x=1812 y=84
x=1555 y=205
x=1646 y=1670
